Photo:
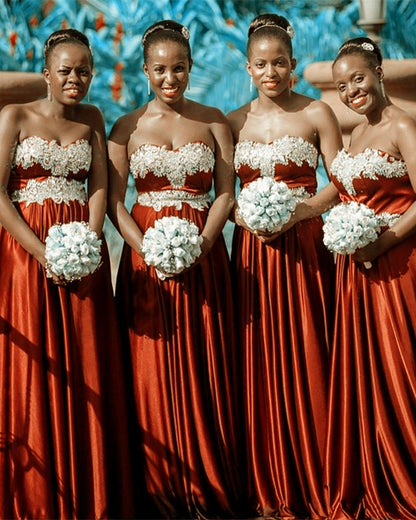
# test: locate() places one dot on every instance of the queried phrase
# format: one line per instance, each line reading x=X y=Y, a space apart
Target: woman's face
x=167 y=67
x=69 y=72
x=269 y=64
x=358 y=84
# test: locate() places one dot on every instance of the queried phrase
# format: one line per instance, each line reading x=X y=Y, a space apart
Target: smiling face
x=358 y=84
x=167 y=67
x=270 y=64
x=69 y=72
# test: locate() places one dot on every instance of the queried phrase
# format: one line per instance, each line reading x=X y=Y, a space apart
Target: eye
x=179 y=68
x=341 y=87
x=358 y=79
x=259 y=65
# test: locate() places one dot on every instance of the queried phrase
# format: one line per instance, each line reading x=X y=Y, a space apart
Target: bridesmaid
x=62 y=430
x=370 y=466
x=180 y=327
x=283 y=281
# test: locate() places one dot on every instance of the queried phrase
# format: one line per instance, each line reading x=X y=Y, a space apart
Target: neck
x=280 y=102
x=170 y=108
x=376 y=115
x=59 y=111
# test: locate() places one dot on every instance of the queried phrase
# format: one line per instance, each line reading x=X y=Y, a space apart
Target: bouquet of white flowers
x=172 y=245
x=266 y=204
x=72 y=251
x=350 y=226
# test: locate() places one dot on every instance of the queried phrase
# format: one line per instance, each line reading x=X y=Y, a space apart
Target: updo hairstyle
x=163 y=31
x=65 y=36
x=364 y=47
x=270 y=25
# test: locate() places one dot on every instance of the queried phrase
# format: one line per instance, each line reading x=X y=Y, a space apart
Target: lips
x=270 y=84
x=358 y=101
x=170 y=91
x=73 y=92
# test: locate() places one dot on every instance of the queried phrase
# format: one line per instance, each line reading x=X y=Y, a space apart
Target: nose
x=170 y=77
x=73 y=77
x=352 y=89
x=270 y=70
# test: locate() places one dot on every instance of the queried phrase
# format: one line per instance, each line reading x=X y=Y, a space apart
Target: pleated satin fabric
x=283 y=307
x=370 y=469
x=63 y=433
x=183 y=360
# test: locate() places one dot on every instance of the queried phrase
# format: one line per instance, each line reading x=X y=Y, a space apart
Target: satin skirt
x=183 y=359
x=63 y=434
x=370 y=469
x=283 y=295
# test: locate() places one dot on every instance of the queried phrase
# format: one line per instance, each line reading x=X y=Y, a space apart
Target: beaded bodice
x=290 y=159
x=44 y=169
x=157 y=167
x=375 y=178
x=38 y=157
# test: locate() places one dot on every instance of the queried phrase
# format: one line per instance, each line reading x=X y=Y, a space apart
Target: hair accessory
x=367 y=46
x=185 y=32
x=289 y=29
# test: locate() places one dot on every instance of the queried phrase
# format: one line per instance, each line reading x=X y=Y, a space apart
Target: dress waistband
x=59 y=189
x=159 y=199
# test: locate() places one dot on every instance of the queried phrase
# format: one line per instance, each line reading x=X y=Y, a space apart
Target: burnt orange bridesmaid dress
x=62 y=424
x=283 y=297
x=182 y=345
x=370 y=469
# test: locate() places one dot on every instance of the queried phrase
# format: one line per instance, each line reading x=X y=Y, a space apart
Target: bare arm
x=118 y=177
x=10 y=219
x=223 y=184
x=97 y=179
x=406 y=225
x=330 y=142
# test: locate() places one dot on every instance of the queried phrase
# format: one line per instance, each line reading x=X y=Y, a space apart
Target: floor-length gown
x=370 y=468
x=62 y=429
x=282 y=294
x=182 y=345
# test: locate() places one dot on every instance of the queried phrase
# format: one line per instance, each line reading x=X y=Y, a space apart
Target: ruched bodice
x=375 y=178
x=290 y=159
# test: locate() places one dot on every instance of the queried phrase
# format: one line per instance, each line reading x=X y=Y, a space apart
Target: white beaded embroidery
x=59 y=189
x=175 y=165
x=264 y=156
x=59 y=160
x=369 y=164
x=160 y=199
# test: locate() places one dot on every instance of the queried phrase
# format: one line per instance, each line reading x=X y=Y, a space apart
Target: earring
x=89 y=89
x=383 y=92
x=189 y=82
x=251 y=84
x=49 y=93
x=148 y=87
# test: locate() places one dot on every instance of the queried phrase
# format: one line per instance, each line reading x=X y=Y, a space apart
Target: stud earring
x=148 y=87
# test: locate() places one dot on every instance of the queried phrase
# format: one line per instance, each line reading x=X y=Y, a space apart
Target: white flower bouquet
x=172 y=245
x=350 y=226
x=266 y=204
x=72 y=251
